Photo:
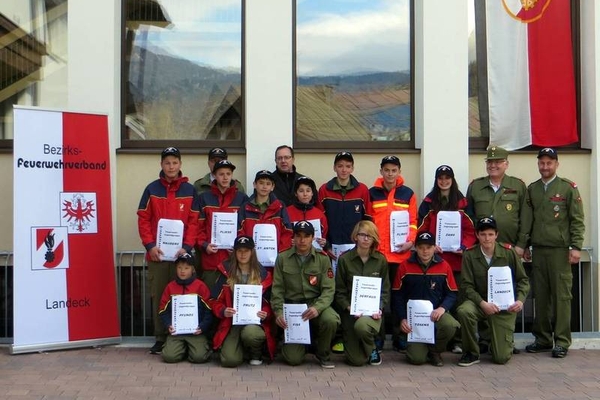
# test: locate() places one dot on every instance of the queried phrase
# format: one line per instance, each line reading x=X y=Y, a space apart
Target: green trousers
x=241 y=340
x=322 y=330
x=159 y=276
x=501 y=331
x=445 y=328
x=194 y=346
x=359 y=337
x=552 y=283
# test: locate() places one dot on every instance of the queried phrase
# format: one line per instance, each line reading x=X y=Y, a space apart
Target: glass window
x=475 y=130
x=183 y=68
x=353 y=78
x=33 y=58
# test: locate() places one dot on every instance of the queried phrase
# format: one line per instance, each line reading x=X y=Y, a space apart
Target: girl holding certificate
x=364 y=260
x=303 y=208
x=236 y=340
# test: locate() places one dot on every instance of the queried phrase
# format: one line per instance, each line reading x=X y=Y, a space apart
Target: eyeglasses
x=283 y=158
x=365 y=236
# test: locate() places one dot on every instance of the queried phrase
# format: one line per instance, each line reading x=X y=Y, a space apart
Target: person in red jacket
x=237 y=342
x=193 y=344
x=223 y=197
x=303 y=208
x=263 y=207
x=387 y=195
x=170 y=197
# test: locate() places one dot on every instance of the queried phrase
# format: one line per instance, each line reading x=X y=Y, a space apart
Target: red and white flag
x=531 y=80
x=64 y=276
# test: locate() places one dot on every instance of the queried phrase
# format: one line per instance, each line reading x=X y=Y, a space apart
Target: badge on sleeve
x=330 y=273
x=313 y=280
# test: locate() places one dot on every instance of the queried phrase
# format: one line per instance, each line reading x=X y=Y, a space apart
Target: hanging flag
x=64 y=275
x=531 y=79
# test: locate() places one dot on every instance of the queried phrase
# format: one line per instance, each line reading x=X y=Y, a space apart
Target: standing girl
x=303 y=208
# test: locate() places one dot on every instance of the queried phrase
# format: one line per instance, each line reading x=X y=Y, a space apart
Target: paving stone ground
x=131 y=373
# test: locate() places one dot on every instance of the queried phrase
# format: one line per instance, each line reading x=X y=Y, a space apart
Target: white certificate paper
x=500 y=287
x=318 y=234
x=247 y=302
x=224 y=230
x=399 y=228
x=265 y=239
x=185 y=314
x=338 y=250
x=419 y=319
x=448 y=230
x=169 y=238
x=298 y=331
x=366 y=293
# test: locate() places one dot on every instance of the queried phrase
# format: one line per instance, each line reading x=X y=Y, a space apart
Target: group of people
x=326 y=237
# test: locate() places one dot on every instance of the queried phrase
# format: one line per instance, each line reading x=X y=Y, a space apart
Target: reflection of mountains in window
x=176 y=99
x=359 y=107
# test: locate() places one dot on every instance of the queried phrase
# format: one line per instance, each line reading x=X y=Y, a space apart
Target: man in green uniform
x=474 y=289
x=556 y=240
x=215 y=155
x=304 y=276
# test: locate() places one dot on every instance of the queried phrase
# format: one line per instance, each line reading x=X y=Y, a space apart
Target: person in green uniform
x=215 y=155
x=474 y=290
x=556 y=240
x=359 y=331
x=304 y=276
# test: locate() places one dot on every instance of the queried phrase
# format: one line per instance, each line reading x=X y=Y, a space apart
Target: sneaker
x=456 y=349
x=435 y=359
x=157 y=348
x=375 y=358
x=327 y=364
x=255 y=361
x=559 y=352
x=535 y=347
x=401 y=345
x=338 y=348
x=468 y=359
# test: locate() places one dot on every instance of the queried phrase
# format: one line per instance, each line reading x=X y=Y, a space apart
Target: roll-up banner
x=64 y=271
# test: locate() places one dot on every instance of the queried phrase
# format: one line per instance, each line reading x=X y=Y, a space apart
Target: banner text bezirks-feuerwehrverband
x=60 y=164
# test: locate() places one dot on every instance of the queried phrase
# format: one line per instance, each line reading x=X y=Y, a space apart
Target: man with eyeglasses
x=285 y=174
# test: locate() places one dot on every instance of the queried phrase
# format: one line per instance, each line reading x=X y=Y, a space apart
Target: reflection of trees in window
x=173 y=91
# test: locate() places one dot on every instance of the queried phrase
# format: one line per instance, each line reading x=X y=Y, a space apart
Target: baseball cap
x=486 y=223
x=243 y=242
x=305 y=227
x=186 y=258
x=343 y=155
x=425 y=238
x=390 y=160
x=444 y=170
x=496 y=153
x=305 y=180
x=264 y=174
x=548 y=152
x=217 y=152
x=223 y=164
x=170 y=151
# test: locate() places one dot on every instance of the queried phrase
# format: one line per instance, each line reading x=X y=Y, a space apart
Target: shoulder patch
x=573 y=184
x=506 y=245
x=330 y=273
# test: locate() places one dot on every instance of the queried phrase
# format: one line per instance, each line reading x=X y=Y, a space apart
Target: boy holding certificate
x=359 y=331
x=172 y=199
x=426 y=276
x=474 y=289
x=217 y=225
x=239 y=337
x=183 y=309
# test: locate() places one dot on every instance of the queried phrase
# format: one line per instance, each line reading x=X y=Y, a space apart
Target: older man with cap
x=215 y=155
x=304 y=276
x=476 y=265
x=556 y=240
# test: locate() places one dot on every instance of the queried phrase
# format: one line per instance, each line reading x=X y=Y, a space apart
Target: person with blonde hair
x=359 y=331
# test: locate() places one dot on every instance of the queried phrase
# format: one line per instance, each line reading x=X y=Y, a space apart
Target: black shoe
x=157 y=348
x=535 y=347
x=375 y=358
x=483 y=348
x=559 y=352
x=516 y=351
x=435 y=359
x=468 y=359
x=400 y=345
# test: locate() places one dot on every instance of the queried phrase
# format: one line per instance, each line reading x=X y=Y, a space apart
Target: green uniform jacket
x=474 y=279
x=350 y=265
x=509 y=206
x=557 y=214
x=311 y=282
x=203 y=185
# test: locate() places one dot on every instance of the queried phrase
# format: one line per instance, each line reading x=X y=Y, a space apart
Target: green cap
x=496 y=153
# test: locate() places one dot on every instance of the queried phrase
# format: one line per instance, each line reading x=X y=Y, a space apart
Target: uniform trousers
x=445 y=328
x=359 y=337
x=501 y=331
x=241 y=340
x=159 y=276
x=194 y=346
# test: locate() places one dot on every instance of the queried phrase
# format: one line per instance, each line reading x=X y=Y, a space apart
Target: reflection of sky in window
x=204 y=32
x=352 y=36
